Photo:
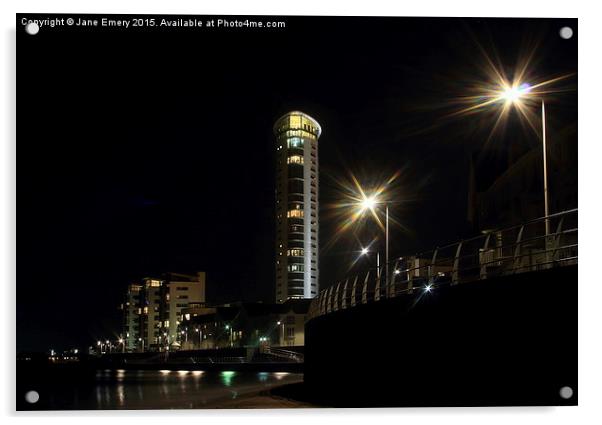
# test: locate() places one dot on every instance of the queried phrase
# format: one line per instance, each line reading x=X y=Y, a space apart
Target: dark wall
x=505 y=341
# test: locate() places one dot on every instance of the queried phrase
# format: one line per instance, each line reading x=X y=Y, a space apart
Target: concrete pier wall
x=505 y=341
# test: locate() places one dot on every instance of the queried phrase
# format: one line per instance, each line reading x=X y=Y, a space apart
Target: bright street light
x=368 y=203
x=513 y=93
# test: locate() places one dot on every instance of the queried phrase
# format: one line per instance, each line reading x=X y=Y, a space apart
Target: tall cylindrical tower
x=296 y=206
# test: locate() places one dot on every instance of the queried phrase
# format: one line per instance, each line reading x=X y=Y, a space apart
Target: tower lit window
x=294 y=159
x=295 y=142
x=294 y=214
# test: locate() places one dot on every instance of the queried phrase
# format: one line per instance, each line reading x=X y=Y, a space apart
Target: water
x=132 y=389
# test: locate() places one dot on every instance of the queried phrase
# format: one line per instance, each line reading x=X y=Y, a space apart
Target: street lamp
x=281 y=336
x=512 y=95
x=200 y=337
x=228 y=327
x=370 y=203
x=366 y=251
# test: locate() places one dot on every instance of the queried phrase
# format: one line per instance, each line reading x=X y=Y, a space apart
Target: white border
x=589 y=181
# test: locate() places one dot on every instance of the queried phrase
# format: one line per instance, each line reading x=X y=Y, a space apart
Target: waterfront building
x=180 y=291
x=152 y=310
x=131 y=317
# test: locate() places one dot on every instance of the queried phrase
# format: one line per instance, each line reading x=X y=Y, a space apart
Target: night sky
x=142 y=153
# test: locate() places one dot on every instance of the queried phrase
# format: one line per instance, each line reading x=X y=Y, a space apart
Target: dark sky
x=148 y=152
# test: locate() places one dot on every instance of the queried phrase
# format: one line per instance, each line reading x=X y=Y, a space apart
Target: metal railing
x=516 y=249
x=288 y=355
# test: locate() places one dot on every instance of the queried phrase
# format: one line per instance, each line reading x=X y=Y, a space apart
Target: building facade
x=152 y=310
x=131 y=317
x=181 y=290
x=150 y=314
x=297 y=221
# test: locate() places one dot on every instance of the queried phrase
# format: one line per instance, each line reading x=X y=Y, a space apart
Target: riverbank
x=158 y=389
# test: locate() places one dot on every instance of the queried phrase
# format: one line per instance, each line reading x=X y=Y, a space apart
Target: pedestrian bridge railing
x=539 y=244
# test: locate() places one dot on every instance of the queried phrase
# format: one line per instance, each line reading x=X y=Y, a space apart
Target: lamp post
x=228 y=327
x=512 y=95
x=198 y=330
x=281 y=332
x=545 y=166
x=369 y=203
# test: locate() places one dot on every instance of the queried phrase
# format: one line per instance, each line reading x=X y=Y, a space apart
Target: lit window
x=295 y=121
x=295 y=142
x=295 y=252
x=294 y=213
x=294 y=159
x=296 y=268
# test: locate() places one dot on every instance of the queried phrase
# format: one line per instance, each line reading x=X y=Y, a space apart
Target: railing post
x=410 y=274
x=365 y=289
x=337 y=294
x=329 y=300
x=344 y=300
x=557 y=238
x=354 y=291
x=455 y=269
x=431 y=268
x=483 y=258
x=517 y=258
x=379 y=283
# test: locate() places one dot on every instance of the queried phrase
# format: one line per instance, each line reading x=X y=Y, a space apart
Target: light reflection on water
x=226 y=377
x=166 y=389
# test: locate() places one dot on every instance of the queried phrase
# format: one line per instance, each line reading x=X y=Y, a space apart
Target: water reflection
x=280 y=375
x=227 y=377
x=122 y=389
x=263 y=376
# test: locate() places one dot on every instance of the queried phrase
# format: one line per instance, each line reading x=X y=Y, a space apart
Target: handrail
x=514 y=249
